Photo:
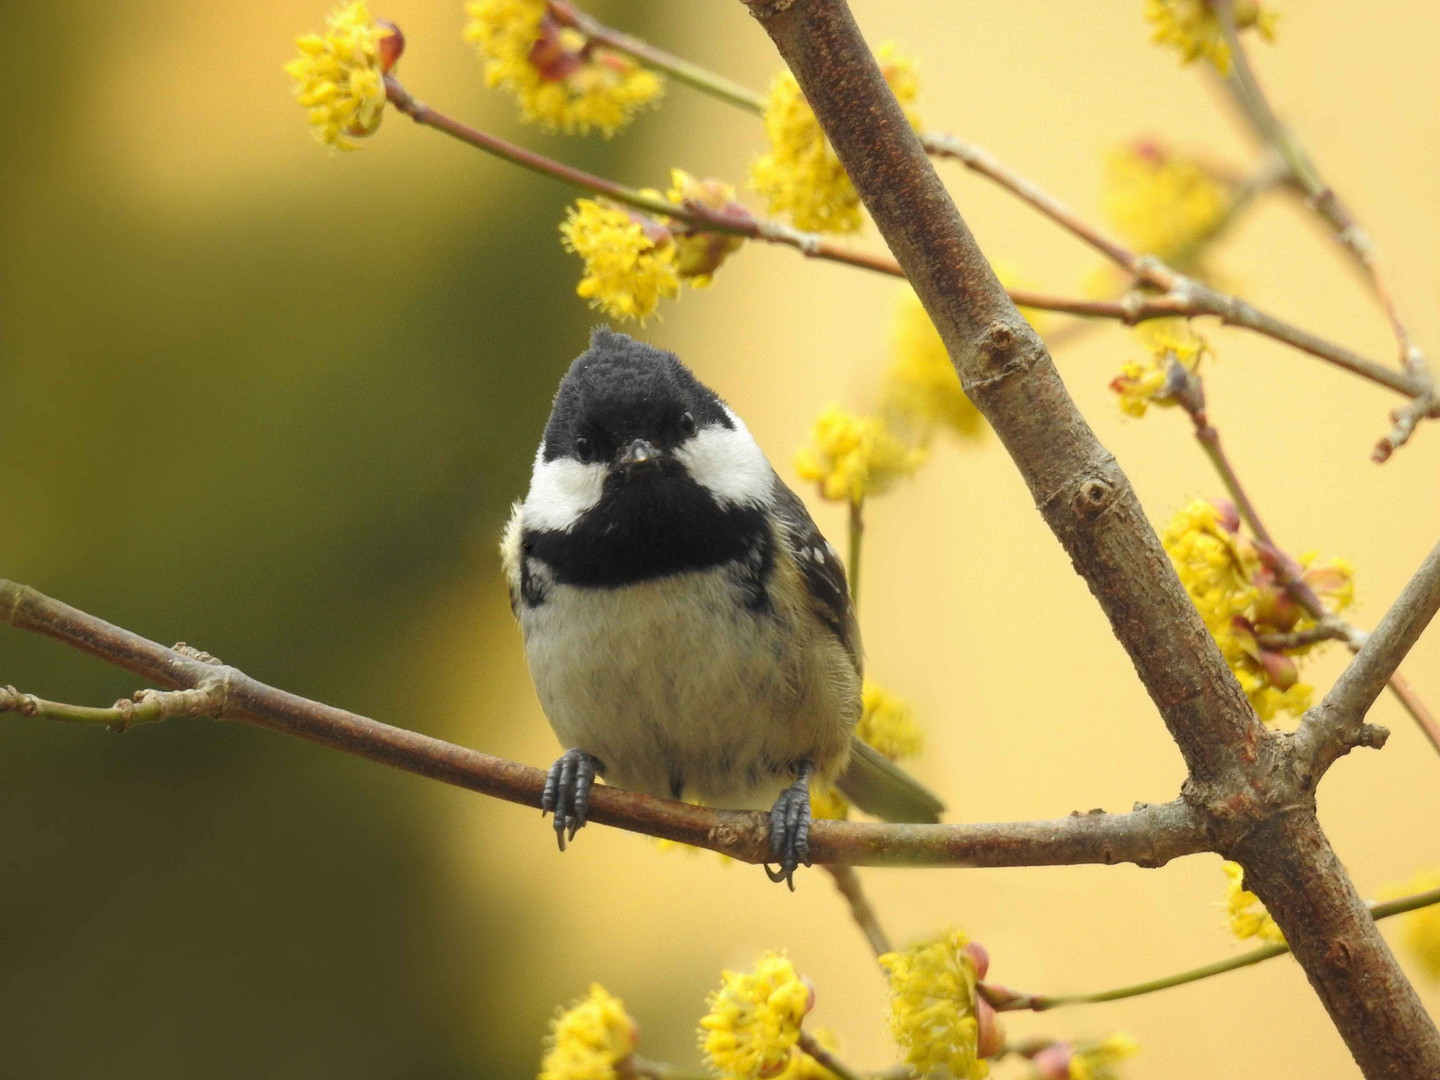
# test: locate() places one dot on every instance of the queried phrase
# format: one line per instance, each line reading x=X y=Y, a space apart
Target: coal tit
x=688 y=629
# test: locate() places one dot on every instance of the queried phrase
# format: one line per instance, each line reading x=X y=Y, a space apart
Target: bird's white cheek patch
x=730 y=464
x=561 y=490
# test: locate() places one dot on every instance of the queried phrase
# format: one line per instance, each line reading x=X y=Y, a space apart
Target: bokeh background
x=275 y=402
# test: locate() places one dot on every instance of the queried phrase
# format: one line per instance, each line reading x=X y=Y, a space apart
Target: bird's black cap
x=621 y=389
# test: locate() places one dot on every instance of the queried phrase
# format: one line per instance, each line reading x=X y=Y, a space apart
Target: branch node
x=192 y=653
x=12 y=700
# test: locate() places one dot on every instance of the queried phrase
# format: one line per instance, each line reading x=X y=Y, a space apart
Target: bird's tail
x=878 y=786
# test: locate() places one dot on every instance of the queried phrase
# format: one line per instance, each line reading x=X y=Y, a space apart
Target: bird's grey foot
x=790 y=828
x=567 y=792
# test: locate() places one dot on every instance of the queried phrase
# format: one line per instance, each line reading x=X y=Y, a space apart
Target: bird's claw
x=790 y=830
x=567 y=793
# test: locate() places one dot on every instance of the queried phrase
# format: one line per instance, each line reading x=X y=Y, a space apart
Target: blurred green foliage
x=272 y=431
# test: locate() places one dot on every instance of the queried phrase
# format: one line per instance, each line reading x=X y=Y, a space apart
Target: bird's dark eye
x=583 y=450
x=687 y=423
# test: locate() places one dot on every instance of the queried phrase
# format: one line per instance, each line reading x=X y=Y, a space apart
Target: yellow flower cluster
x=1097 y=1061
x=339 y=76
x=699 y=254
x=589 y=1039
x=628 y=268
x=558 y=79
x=801 y=176
x=888 y=724
x=633 y=261
x=852 y=456
x=933 y=1007
x=922 y=385
x=1248 y=917
x=1174 y=353
x=1163 y=204
x=754 y=1019
x=1240 y=599
x=1421 y=928
x=1191 y=27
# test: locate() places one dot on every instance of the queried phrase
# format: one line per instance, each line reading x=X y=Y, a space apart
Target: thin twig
x=1179 y=296
x=1149 y=836
x=856 y=537
x=1337 y=724
x=146 y=707
x=824 y=1058
x=1007 y=1000
x=681 y=70
x=848 y=882
x=1328 y=625
x=1256 y=108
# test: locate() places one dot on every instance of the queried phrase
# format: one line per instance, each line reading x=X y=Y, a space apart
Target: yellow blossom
x=699 y=254
x=1248 y=917
x=754 y=1019
x=828 y=803
x=1175 y=351
x=888 y=723
x=1163 y=204
x=801 y=176
x=589 y=1039
x=1191 y=27
x=627 y=270
x=933 y=1006
x=1097 y=1061
x=921 y=385
x=339 y=76
x=1241 y=600
x=1421 y=928
x=558 y=79
x=852 y=456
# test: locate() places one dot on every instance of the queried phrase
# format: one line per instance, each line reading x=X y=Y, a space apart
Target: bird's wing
x=820 y=568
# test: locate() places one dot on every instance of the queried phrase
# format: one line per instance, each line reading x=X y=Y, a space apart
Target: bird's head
x=632 y=426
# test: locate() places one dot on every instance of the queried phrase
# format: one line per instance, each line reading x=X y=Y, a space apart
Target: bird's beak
x=638 y=456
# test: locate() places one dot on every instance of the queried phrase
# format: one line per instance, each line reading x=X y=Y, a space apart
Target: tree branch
x=1337 y=724
x=1237 y=774
x=1149 y=836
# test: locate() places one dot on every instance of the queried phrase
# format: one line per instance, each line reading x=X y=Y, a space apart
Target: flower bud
x=990 y=1036
x=980 y=955
x=1053 y=1062
x=389 y=48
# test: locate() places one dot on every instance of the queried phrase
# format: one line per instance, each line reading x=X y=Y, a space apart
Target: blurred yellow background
x=276 y=402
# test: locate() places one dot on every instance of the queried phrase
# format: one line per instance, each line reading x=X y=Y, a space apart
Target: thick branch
x=1149 y=837
x=1004 y=367
x=1290 y=865
x=1089 y=504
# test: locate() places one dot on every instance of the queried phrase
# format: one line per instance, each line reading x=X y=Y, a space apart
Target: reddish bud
x=1053 y=1062
x=980 y=955
x=1280 y=668
x=990 y=1036
x=390 y=47
x=1229 y=516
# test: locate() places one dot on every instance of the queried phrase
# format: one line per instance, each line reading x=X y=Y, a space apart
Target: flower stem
x=847 y=881
x=1209 y=439
x=856 y=536
x=824 y=1058
x=1008 y=1001
x=698 y=217
x=682 y=71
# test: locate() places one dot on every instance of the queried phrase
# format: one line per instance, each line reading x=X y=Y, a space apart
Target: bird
x=688 y=629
